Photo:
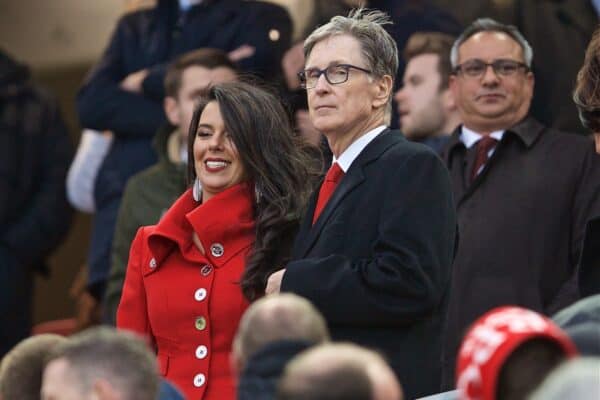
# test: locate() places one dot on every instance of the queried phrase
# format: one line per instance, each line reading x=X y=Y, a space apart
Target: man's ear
x=383 y=90
x=171 y=110
x=448 y=101
x=103 y=390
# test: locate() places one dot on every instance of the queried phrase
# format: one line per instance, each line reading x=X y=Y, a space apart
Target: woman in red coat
x=191 y=276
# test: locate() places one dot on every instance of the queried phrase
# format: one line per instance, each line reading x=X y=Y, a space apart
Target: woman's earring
x=257 y=194
x=197 y=190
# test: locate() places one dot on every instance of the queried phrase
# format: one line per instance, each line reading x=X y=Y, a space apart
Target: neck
x=450 y=125
x=340 y=141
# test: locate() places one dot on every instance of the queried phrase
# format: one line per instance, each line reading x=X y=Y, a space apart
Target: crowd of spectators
x=263 y=231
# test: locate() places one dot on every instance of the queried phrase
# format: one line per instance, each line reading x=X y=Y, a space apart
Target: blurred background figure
x=581 y=322
x=21 y=369
x=507 y=353
x=35 y=152
x=575 y=379
x=124 y=91
x=339 y=371
x=149 y=193
x=103 y=364
x=271 y=332
x=428 y=112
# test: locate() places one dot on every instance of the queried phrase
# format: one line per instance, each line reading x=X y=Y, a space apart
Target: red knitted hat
x=489 y=342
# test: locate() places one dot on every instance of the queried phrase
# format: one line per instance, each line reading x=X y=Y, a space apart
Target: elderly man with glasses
x=374 y=250
x=523 y=192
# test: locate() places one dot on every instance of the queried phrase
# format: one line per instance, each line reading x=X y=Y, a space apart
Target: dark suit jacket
x=377 y=261
x=521 y=223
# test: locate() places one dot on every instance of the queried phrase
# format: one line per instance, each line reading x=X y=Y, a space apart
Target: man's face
x=194 y=80
x=347 y=108
x=58 y=383
x=420 y=104
x=492 y=101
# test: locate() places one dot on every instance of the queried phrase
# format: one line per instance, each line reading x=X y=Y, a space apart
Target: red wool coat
x=187 y=303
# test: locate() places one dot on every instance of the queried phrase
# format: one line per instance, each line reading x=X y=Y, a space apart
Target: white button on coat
x=201 y=352
x=152 y=263
x=200 y=294
x=199 y=380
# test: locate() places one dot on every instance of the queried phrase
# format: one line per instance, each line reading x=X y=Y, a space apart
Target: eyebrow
x=331 y=63
x=209 y=126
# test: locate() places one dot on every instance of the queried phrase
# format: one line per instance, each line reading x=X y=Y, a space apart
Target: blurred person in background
x=101 y=364
x=21 y=368
x=339 y=371
x=151 y=192
x=35 y=153
x=271 y=332
x=190 y=277
x=124 y=91
x=428 y=112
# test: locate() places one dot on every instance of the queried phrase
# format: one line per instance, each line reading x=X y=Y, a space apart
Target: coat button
x=199 y=380
x=200 y=294
x=201 y=352
x=152 y=263
x=274 y=35
x=217 y=249
x=206 y=270
x=200 y=323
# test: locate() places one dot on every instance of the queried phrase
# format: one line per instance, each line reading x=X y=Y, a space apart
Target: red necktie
x=484 y=145
x=333 y=177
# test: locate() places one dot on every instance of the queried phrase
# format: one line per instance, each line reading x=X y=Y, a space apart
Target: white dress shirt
x=349 y=155
x=470 y=138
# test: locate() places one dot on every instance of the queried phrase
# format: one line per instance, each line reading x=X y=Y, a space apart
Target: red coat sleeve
x=132 y=313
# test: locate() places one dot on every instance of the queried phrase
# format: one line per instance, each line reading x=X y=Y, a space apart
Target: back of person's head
x=21 y=368
x=277 y=318
x=587 y=95
x=102 y=360
x=576 y=379
x=507 y=352
x=435 y=43
x=338 y=371
x=206 y=58
x=581 y=322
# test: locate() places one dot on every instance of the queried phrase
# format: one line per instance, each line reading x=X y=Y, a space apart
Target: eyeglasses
x=476 y=68
x=334 y=74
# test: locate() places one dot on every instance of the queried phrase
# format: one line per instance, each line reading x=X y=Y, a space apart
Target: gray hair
x=577 y=379
x=122 y=358
x=366 y=26
x=490 y=25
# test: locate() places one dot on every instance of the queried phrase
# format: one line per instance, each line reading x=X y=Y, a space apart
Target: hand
x=133 y=82
x=292 y=63
x=274 y=282
x=241 y=52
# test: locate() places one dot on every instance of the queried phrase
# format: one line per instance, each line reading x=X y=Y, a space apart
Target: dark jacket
x=147 y=196
x=35 y=153
x=377 y=261
x=521 y=222
x=263 y=369
x=151 y=39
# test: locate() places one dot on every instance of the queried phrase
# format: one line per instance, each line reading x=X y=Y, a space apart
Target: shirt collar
x=470 y=137
x=349 y=155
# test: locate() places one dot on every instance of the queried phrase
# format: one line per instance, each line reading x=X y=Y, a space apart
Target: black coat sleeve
x=103 y=105
x=45 y=217
x=407 y=275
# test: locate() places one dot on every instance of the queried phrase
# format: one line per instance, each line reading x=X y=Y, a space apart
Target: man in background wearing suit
x=374 y=257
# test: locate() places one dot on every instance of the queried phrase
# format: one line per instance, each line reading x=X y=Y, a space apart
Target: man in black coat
x=124 y=91
x=523 y=192
x=375 y=257
x=35 y=152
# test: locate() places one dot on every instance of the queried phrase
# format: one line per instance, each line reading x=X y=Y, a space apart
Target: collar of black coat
x=527 y=131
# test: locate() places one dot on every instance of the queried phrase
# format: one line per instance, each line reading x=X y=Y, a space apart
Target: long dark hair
x=275 y=160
